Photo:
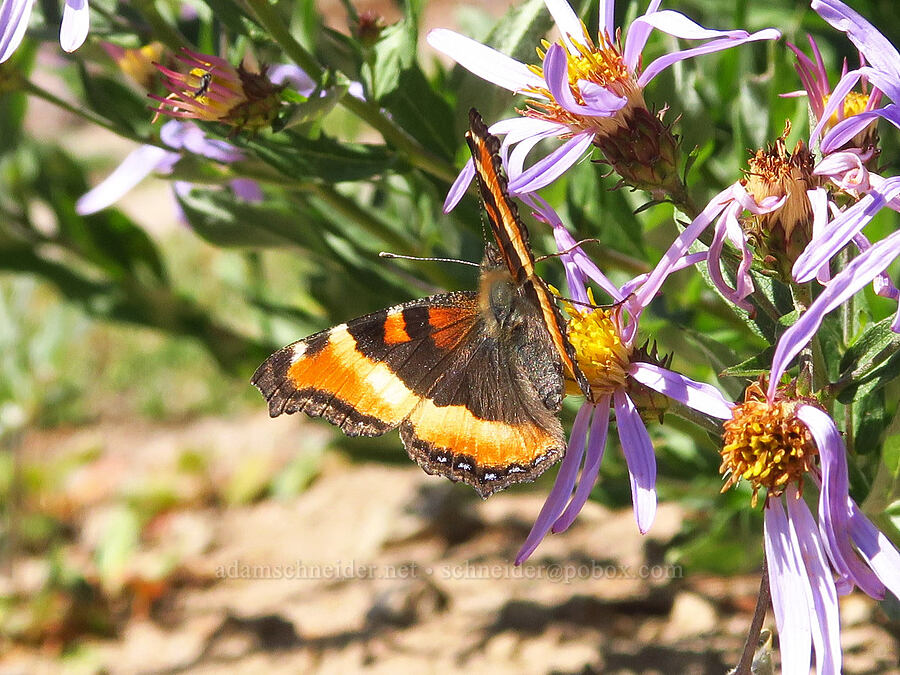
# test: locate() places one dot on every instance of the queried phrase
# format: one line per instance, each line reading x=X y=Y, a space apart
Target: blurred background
x=156 y=520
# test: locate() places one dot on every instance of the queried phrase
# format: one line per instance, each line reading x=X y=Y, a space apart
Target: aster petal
x=565 y=242
x=663 y=62
x=190 y=137
x=607 y=18
x=877 y=49
x=570 y=26
x=516 y=165
x=846 y=129
x=247 y=190
x=822 y=599
x=842 y=229
x=636 y=39
x=787 y=583
x=556 y=76
x=460 y=185
x=678 y=25
x=14 y=16
x=486 y=63
x=851 y=279
x=293 y=76
x=703 y=397
x=744 y=285
x=76 y=22
x=562 y=488
x=590 y=471
x=139 y=164
x=876 y=548
x=639 y=456
x=835 y=100
x=680 y=246
x=545 y=171
x=834 y=516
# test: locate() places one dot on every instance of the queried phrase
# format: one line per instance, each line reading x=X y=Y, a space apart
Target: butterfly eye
x=501 y=297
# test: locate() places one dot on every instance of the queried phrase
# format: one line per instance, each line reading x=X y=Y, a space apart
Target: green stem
x=162 y=29
x=369 y=112
x=87 y=115
x=705 y=422
x=812 y=358
x=348 y=208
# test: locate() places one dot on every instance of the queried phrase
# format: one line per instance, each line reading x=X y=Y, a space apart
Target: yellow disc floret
x=599 y=349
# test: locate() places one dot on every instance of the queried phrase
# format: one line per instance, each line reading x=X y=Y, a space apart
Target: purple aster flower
x=180 y=137
x=882 y=71
x=585 y=91
x=14 y=16
x=605 y=345
x=773 y=441
x=814 y=77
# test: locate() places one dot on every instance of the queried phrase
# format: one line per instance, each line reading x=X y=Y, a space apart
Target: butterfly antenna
x=577 y=244
x=386 y=254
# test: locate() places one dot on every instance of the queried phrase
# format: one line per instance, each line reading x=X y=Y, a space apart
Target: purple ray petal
x=833 y=513
x=639 y=456
x=568 y=23
x=136 y=166
x=607 y=19
x=542 y=173
x=861 y=271
x=703 y=397
x=680 y=246
x=727 y=226
x=846 y=129
x=878 y=50
x=787 y=584
x=247 y=190
x=664 y=62
x=293 y=76
x=636 y=38
x=76 y=22
x=14 y=16
x=459 y=187
x=876 y=548
x=515 y=166
x=556 y=75
x=562 y=488
x=842 y=229
x=595 y=448
x=486 y=63
x=835 y=100
x=823 y=603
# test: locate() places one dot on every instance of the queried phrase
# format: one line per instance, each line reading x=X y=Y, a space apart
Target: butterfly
x=473 y=380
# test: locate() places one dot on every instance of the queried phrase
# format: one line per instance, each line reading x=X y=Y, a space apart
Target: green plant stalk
x=812 y=355
x=162 y=29
x=368 y=112
x=848 y=329
x=35 y=90
x=697 y=418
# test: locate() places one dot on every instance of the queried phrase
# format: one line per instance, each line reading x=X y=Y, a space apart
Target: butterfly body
x=473 y=380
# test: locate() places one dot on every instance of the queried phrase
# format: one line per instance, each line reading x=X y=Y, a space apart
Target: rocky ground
x=371 y=569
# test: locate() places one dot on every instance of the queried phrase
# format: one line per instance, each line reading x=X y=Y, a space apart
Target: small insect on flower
x=215 y=91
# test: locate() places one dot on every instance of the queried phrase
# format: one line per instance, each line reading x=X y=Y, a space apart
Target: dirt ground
x=380 y=569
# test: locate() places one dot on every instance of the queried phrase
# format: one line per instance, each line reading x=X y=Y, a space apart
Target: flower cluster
x=793 y=211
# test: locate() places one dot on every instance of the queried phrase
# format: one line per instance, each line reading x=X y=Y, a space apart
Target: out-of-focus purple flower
x=179 y=137
x=14 y=16
x=605 y=347
x=883 y=71
x=772 y=441
x=585 y=91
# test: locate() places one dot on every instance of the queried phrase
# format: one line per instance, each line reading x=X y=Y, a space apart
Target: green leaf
x=875 y=344
x=115 y=101
x=224 y=220
x=321 y=159
x=230 y=14
x=754 y=366
x=422 y=112
x=394 y=53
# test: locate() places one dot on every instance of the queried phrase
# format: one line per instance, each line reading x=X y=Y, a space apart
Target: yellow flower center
x=602 y=66
x=766 y=444
x=601 y=354
x=854 y=103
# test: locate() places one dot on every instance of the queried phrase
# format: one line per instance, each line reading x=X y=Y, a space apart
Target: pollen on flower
x=777 y=172
x=600 y=351
x=766 y=444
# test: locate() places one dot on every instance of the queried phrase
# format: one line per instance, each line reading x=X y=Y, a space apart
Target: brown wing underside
x=426 y=367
